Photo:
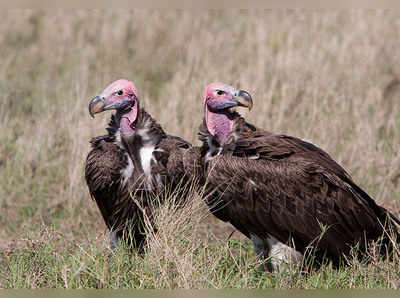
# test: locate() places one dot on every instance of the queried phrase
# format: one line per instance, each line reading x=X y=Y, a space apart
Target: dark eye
x=120 y=92
x=220 y=92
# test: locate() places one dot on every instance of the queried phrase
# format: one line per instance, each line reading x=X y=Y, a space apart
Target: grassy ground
x=332 y=78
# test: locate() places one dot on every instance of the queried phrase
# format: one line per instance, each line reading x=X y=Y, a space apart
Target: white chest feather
x=146 y=152
x=146 y=156
x=126 y=173
x=118 y=139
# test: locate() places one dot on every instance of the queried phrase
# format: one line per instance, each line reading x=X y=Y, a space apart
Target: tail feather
x=393 y=217
x=391 y=237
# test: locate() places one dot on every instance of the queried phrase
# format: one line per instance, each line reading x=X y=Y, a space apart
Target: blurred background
x=331 y=78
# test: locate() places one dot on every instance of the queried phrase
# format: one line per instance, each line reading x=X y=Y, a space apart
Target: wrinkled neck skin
x=220 y=125
x=127 y=120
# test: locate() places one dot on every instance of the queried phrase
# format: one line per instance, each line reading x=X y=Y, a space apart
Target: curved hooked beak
x=96 y=105
x=244 y=99
x=100 y=104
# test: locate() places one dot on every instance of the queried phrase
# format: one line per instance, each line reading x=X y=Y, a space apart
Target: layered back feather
x=275 y=185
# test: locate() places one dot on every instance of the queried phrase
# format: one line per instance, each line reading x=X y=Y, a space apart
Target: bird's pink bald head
x=114 y=90
x=218 y=90
x=121 y=96
x=219 y=99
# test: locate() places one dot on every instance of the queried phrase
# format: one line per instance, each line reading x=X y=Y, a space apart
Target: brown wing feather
x=179 y=164
x=103 y=168
x=285 y=187
x=287 y=200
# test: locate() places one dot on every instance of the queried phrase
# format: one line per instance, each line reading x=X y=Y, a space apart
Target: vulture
x=279 y=190
x=132 y=164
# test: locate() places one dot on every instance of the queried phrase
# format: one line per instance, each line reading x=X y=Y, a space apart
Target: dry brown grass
x=326 y=77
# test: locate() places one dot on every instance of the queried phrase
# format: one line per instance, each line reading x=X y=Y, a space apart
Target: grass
x=329 y=77
x=179 y=255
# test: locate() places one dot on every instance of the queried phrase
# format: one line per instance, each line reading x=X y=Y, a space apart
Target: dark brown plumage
x=132 y=165
x=104 y=169
x=267 y=185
